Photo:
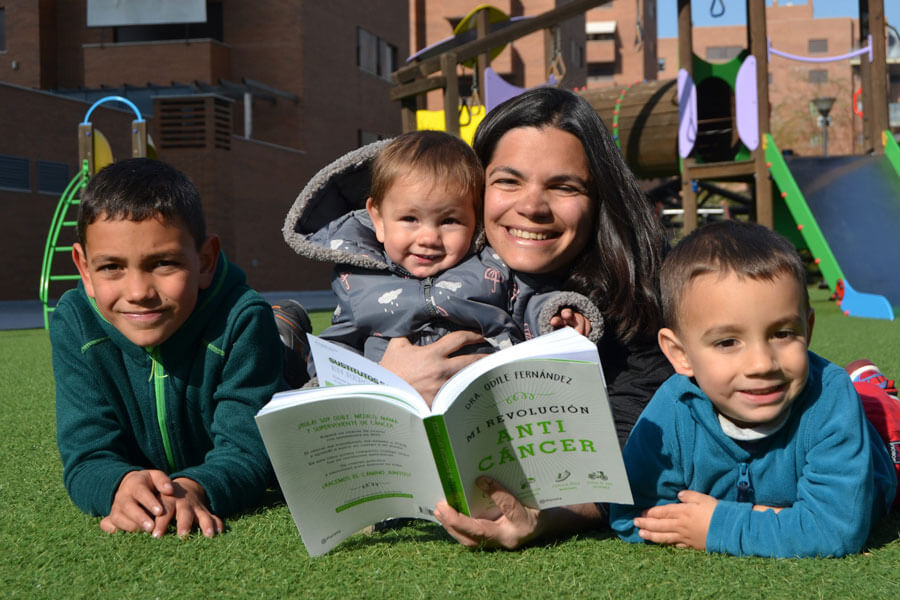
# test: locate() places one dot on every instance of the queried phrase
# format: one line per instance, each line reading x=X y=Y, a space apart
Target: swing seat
x=469 y=118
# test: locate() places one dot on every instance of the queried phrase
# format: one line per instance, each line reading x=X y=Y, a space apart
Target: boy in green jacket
x=162 y=356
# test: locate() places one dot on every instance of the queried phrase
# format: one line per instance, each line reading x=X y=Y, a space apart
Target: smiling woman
x=537 y=208
x=562 y=210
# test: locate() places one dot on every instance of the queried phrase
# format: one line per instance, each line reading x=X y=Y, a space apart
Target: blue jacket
x=826 y=464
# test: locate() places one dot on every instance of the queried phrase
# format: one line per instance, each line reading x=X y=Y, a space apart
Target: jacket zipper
x=744 y=487
x=429 y=298
x=158 y=374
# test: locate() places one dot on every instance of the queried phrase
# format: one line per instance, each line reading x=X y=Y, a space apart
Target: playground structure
x=712 y=125
x=94 y=153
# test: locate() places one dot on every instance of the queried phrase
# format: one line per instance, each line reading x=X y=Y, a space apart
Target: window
x=53 y=177
x=375 y=55
x=211 y=29
x=661 y=64
x=818 y=76
x=600 y=72
x=2 y=29
x=598 y=31
x=14 y=173
x=723 y=53
x=818 y=46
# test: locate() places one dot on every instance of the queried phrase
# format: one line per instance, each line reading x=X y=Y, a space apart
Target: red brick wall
x=39 y=126
x=140 y=63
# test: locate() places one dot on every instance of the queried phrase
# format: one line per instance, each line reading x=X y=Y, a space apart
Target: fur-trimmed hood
x=335 y=199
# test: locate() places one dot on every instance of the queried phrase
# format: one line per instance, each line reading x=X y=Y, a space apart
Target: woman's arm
x=426 y=368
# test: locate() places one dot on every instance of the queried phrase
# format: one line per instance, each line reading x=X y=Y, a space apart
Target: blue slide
x=855 y=204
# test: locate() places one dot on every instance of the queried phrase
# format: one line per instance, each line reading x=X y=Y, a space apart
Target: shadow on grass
x=885 y=531
x=426 y=532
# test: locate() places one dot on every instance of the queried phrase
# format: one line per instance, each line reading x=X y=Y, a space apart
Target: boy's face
x=424 y=227
x=144 y=275
x=745 y=343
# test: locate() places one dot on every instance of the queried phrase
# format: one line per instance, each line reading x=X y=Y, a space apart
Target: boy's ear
x=79 y=257
x=209 y=260
x=377 y=220
x=672 y=347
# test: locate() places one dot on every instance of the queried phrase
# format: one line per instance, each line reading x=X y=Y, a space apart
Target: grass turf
x=48 y=549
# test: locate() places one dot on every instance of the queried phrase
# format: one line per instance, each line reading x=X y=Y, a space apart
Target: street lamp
x=823 y=105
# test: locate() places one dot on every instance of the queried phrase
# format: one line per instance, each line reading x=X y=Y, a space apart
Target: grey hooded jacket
x=378 y=300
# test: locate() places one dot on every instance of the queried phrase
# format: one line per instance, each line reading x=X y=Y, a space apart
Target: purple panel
x=497 y=89
x=746 y=103
x=687 y=113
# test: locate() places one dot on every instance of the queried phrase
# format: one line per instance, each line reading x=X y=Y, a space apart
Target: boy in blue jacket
x=162 y=356
x=755 y=446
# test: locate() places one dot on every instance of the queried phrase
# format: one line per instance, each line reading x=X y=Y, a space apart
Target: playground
x=697 y=134
x=709 y=127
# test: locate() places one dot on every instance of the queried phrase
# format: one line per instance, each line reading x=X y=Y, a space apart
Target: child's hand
x=137 y=501
x=570 y=318
x=187 y=505
x=683 y=525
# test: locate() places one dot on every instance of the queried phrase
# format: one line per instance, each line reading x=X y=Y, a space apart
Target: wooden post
x=138 y=139
x=878 y=82
x=451 y=93
x=408 y=107
x=686 y=62
x=865 y=75
x=86 y=145
x=483 y=28
x=756 y=41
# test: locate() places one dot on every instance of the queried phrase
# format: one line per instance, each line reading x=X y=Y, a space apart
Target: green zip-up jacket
x=185 y=407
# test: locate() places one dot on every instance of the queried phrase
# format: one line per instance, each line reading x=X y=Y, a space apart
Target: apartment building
x=279 y=88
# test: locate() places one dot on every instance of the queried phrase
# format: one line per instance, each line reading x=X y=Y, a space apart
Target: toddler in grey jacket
x=411 y=262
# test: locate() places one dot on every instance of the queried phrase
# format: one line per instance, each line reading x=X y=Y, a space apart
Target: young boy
x=407 y=263
x=756 y=445
x=162 y=357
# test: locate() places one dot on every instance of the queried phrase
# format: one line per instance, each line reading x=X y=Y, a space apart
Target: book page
x=349 y=457
x=336 y=365
x=542 y=428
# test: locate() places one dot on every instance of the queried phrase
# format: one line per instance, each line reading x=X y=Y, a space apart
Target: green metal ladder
x=63 y=217
x=71 y=196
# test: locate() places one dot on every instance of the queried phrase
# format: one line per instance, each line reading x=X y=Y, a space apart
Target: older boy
x=756 y=445
x=162 y=356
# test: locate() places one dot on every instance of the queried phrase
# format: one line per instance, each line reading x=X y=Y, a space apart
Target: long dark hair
x=619 y=269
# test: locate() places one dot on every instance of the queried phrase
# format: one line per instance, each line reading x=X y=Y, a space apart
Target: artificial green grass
x=48 y=549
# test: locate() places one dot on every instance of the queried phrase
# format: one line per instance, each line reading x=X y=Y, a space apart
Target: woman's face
x=537 y=205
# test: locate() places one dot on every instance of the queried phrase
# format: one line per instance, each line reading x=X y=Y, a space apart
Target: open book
x=366 y=447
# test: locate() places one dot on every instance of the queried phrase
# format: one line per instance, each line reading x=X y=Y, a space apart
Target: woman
x=560 y=203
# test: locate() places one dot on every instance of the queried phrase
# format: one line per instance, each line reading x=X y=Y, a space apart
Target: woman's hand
x=426 y=368
x=517 y=524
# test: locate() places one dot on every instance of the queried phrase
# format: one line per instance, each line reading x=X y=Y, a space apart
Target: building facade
x=283 y=87
x=611 y=45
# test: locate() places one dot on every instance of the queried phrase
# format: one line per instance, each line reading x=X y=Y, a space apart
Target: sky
x=736 y=12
